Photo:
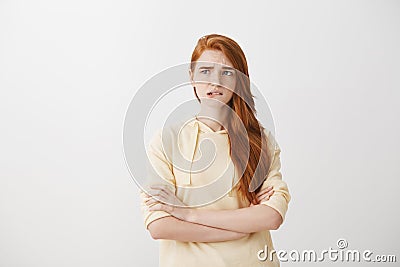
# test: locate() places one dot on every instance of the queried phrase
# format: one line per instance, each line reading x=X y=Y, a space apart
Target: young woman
x=233 y=229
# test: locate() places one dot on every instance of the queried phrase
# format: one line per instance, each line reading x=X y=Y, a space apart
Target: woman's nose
x=215 y=80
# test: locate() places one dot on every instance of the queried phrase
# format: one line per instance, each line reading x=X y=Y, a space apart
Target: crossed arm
x=174 y=229
x=201 y=225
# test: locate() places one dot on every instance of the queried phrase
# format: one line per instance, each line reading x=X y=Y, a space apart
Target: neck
x=213 y=117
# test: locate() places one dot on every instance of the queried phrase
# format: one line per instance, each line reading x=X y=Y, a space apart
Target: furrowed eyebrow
x=206 y=67
x=211 y=67
x=228 y=68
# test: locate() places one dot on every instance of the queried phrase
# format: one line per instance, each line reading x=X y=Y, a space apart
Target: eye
x=227 y=73
x=205 y=71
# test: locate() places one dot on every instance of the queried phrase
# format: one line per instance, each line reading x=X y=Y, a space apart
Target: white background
x=68 y=70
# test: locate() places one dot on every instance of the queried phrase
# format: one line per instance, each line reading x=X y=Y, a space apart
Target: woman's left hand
x=161 y=198
x=264 y=194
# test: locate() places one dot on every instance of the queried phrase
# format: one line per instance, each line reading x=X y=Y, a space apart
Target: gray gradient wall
x=68 y=70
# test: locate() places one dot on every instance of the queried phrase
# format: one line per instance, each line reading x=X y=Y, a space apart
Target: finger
x=162 y=198
x=160 y=186
x=159 y=189
x=168 y=189
x=157 y=206
x=262 y=197
x=151 y=201
x=270 y=193
x=163 y=188
x=158 y=193
x=266 y=196
x=143 y=195
x=144 y=199
x=265 y=190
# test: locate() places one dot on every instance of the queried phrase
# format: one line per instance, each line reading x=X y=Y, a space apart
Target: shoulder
x=172 y=134
x=271 y=141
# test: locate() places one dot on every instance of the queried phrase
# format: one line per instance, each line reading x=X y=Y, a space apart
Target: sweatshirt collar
x=204 y=127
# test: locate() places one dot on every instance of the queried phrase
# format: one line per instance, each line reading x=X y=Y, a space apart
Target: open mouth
x=214 y=93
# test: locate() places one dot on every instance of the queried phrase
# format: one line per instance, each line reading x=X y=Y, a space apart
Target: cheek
x=228 y=93
x=229 y=90
x=229 y=86
x=201 y=89
x=227 y=96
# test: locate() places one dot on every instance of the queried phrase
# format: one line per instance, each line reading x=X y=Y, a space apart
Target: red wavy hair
x=245 y=109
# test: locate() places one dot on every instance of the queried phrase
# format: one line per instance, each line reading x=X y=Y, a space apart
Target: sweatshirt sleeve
x=281 y=196
x=158 y=167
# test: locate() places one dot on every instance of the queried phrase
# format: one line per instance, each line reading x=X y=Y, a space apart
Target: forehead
x=215 y=56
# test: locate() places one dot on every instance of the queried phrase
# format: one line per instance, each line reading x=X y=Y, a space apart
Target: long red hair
x=245 y=109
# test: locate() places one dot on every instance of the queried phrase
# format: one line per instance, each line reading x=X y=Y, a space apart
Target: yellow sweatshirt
x=240 y=252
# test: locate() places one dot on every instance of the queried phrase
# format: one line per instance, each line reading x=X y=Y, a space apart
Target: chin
x=216 y=104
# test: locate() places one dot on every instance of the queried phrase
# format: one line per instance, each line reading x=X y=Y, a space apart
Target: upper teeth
x=214 y=93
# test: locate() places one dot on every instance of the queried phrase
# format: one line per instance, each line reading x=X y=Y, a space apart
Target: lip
x=213 y=93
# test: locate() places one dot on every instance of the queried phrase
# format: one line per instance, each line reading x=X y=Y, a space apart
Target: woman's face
x=214 y=77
